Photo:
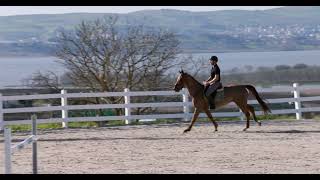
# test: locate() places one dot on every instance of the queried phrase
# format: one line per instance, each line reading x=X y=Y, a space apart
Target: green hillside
x=197 y=31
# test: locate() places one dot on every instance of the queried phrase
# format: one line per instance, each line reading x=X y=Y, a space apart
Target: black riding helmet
x=214 y=58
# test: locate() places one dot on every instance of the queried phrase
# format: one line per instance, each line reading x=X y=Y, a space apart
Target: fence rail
x=127 y=106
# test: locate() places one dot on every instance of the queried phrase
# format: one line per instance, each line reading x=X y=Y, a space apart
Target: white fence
x=9 y=149
x=185 y=106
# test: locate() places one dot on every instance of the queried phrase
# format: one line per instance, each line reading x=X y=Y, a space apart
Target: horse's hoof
x=245 y=129
x=187 y=130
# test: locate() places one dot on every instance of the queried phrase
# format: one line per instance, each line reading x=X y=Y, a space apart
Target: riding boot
x=211 y=101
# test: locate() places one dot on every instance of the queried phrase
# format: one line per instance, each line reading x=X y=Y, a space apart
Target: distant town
x=280 y=33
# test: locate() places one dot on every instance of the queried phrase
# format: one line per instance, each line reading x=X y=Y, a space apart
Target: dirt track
x=275 y=147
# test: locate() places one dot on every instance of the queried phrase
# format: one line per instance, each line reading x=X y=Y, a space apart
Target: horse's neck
x=194 y=87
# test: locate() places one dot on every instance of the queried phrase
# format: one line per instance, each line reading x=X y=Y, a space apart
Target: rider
x=213 y=82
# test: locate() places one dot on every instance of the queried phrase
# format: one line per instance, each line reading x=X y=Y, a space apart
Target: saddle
x=219 y=96
x=220 y=92
x=221 y=88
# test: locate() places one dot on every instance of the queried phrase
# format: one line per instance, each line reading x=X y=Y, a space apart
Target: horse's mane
x=194 y=79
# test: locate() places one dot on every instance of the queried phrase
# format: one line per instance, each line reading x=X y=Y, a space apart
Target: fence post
x=34 y=145
x=127 y=109
x=241 y=115
x=1 y=114
x=297 y=103
x=7 y=150
x=185 y=99
x=64 y=112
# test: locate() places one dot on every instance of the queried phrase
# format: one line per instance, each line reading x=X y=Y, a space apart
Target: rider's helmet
x=214 y=58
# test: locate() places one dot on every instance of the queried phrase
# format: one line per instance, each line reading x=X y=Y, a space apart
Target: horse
x=235 y=93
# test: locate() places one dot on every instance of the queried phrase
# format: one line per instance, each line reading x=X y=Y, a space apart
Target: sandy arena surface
x=275 y=147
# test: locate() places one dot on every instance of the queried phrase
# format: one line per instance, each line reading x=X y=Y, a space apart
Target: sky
x=21 y=10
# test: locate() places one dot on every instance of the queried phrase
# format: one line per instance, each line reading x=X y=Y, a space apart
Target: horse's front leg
x=194 y=118
x=212 y=120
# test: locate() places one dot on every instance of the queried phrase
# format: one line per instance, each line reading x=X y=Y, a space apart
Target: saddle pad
x=219 y=95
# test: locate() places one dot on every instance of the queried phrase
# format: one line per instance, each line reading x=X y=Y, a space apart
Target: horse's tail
x=263 y=104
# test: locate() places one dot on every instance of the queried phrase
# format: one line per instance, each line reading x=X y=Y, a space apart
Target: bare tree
x=106 y=57
x=48 y=79
x=195 y=66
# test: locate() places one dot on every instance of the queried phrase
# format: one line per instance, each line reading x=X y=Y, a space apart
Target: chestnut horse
x=237 y=93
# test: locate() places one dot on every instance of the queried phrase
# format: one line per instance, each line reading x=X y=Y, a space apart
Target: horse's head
x=179 y=84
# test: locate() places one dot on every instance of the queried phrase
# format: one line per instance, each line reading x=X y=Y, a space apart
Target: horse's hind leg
x=211 y=118
x=244 y=109
x=251 y=109
x=248 y=120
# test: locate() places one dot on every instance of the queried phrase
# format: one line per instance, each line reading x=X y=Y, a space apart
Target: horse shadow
x=125 y=138
x=286 y=131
